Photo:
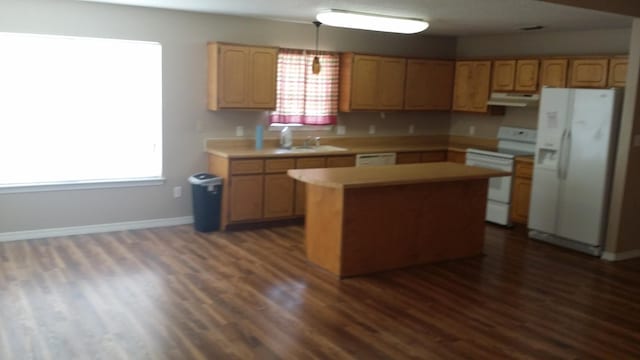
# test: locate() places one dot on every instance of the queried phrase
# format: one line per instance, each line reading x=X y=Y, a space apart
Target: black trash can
x=207 y=197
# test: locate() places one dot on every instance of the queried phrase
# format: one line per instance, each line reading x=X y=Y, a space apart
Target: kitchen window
x=79 y=111
x=305 y=98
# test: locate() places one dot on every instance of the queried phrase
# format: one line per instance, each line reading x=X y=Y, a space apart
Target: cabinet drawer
x=433 y=156
x=341 y=161
x=278 y=165
x=524 y=169
x=311 y=163
x=251 y=166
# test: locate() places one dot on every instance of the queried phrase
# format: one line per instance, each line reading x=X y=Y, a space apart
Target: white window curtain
x=303 y=97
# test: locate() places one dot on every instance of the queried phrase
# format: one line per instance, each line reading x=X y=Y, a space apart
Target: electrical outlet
x=383 y=115
x=472 y=130
x=239 y=130
x=372 y=129
x=412 y=129
x=341 y=130
x=177 y=192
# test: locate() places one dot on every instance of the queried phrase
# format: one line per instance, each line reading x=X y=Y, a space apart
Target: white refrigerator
x=575 y=148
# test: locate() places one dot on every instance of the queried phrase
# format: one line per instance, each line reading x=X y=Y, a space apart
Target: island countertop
x=367 y=176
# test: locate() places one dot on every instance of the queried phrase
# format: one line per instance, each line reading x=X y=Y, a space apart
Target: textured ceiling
x=447 y=17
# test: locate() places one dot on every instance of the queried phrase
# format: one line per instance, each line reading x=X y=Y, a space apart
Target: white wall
x=592 y=42
x=187 y=123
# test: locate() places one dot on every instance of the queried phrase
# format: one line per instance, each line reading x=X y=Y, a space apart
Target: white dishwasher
x=375 y=159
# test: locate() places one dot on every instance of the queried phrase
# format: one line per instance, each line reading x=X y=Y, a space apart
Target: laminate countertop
x=238 y=153
x=370 y=176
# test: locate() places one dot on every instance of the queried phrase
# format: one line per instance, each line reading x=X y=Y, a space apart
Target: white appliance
x=577 y=132
x=512 y=142
x=375 y=159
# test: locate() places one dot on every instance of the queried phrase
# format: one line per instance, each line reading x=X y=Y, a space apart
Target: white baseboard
x=611 y=256
x=92 y=229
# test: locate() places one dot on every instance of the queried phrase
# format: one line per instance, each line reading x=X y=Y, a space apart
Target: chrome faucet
x=309 y=140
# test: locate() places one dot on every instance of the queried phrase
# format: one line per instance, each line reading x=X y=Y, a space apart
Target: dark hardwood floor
x=171 y=293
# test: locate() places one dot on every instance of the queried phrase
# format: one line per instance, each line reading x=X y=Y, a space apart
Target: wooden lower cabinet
x=259 y=189
x=521 y=192
x=457 y=156
x=246 y=197
x=415 y=157
x=278 y=196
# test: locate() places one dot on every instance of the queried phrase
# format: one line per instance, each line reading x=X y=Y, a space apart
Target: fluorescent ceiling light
x=355 y=20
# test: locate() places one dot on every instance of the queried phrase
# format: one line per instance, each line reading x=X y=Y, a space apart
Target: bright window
x=305 y=98
x=79 y=110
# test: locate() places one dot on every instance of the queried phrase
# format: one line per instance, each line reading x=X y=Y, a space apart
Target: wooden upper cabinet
x=527 y=75
x=553 y=73
x=504 y=75
x=242 y=77
x=371 y=82
x=471 y=86
x=588 y=73
x=515 y=75
x=429 y=84
x=618 y=71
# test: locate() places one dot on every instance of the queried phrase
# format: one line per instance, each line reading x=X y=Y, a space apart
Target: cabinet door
x=300 y=193
x=618 y=71
x=429 y=85
x=462 y=86
x=527 y=75
x=341 y=161
x=433 y=156
x=480 y=86
x=416 y=86
x=553 y=73
x=262 y=83
x=364 y=82
x=246 y=197
x=588 y=73
x=521 y=198
x=242 y=77
x=278 y=195
x=233 y=74
x=390 y=86
x=440 y=85
x=504 y=73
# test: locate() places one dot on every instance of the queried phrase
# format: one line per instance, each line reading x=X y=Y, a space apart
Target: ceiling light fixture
x=356 y=20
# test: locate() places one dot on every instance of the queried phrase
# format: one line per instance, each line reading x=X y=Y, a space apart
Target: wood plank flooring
x=171 y=293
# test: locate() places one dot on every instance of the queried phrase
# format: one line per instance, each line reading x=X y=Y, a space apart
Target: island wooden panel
x=404 y=225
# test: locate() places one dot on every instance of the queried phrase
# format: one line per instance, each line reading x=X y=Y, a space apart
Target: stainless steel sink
x=310 y=149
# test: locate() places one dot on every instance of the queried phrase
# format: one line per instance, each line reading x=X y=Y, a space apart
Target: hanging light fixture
x=315 y=66
x=363 y=21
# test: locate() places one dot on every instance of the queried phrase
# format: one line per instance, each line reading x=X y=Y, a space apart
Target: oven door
x=499 y=187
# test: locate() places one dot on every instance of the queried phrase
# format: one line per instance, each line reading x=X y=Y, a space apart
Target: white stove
x=512 y=142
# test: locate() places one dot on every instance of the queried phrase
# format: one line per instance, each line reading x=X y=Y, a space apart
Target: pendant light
x=315 y=66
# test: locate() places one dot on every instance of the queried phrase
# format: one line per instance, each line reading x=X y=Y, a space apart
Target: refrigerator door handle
x=561 y=151
x=567 y=156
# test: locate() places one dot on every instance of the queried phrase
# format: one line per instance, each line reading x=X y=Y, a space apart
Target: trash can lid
x=205 y=179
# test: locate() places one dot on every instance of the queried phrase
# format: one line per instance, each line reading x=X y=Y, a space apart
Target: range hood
x=513 y=99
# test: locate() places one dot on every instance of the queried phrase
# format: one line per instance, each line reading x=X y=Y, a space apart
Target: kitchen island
x=361 y=220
